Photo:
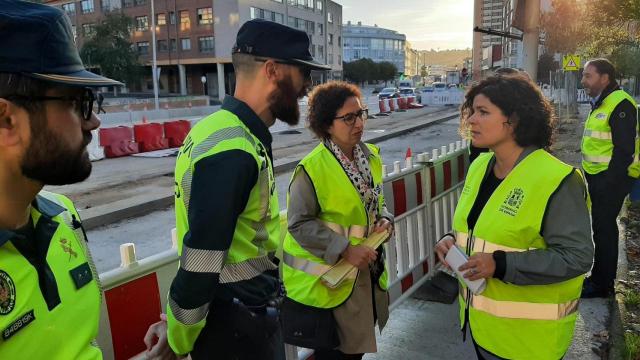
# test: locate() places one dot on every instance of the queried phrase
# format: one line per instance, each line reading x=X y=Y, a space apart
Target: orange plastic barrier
x=150 y=137
x=176 y=132
x=118 y=141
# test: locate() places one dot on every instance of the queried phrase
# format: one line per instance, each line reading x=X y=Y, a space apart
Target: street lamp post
x=203 y=79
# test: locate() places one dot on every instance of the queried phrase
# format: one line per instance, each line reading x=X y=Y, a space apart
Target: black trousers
x=234 y=333
x=606 y=202
x=335 y=355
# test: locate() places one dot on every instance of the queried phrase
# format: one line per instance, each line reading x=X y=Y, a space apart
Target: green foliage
x=546 y=63
x=632 y=299
x=110 y=49
x=363 y=70
x=564 y=27
x=631 y=346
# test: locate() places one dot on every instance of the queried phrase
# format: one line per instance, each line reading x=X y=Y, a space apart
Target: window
x=143 y=47
x=206 y=44
x=320 y=51
x=312 y=50
x=185 y=22
x=185 y=44
x=293 y=2
x=330 y=58
x=255 y=13
x=330 y=18
x=339 y=59
x=172 y=18
x=87 y=6
x=279 y=18
x=310 y=4
x=292 y=21
x=140 y=2
x=311 y=27
x=319 y=5
x=74 y=32
x=173 y=45
x=330 y=39
x=161 y=19
x=88 y=29
x=142 y=23
x=205 y=16
x=127 y=3
x=302 y=3
x=320 y=29
x=339 y=41
x=279 y=1
x=163 y=46
x=69 y=8
x=267 y=15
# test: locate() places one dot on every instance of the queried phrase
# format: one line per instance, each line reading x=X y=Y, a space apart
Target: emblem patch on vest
x=601 y=116
x=7 y=293
x=66 y=247
x=512 y=203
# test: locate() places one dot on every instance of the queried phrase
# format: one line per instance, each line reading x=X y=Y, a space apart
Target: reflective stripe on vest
x=481 y=245
x=358 y=231
x=521 y=309
x=602 y=135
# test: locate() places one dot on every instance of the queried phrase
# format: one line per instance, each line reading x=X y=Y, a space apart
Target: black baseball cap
x=37 y=41
x=273 y=40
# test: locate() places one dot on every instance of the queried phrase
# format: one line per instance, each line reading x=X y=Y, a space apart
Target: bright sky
x=428 y=24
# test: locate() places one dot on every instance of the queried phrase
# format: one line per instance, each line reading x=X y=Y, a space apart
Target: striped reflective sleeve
x=202 y=261
x=184 y=326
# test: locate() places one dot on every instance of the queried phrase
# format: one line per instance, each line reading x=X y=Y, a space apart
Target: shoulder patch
x=7 y=293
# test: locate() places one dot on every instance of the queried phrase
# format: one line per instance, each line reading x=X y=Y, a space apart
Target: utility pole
x=154 y=67
x=531 y=38
x=477 y=41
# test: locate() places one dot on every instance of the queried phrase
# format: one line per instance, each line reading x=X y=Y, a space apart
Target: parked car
x=439 y=86
x=452 y=86
x=389 y=92
x=377 y=89
x=406 y=92
x=426 y=89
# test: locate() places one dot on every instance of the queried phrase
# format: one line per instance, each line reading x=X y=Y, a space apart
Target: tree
x=546 y=63
x=386 y=71
x=110 y=49
x=564 y=29
x=360 y=71
x=423 y=71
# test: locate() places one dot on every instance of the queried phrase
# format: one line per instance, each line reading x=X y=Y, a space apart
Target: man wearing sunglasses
x=49 y=293
x=223 y=302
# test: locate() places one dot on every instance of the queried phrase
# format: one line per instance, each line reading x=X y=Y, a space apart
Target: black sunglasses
x=305 y=71
x=350 y=118
x=83 y=102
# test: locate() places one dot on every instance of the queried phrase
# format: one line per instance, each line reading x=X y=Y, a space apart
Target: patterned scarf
x=359 y=173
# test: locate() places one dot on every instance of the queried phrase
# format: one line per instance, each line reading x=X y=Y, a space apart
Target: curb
x=98 y=216
x=618 y=308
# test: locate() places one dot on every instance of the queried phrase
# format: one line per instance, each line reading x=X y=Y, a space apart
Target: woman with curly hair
x=335 y=201
x=522 y=219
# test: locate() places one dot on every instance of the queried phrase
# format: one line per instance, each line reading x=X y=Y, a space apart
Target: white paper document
x=456 y=258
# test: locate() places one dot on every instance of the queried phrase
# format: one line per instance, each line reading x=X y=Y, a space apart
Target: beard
x=284 y=102
x=51 y=162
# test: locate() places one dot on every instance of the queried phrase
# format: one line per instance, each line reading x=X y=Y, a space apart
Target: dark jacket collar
x=40 y=204
x=608 y=90
x=249 y=118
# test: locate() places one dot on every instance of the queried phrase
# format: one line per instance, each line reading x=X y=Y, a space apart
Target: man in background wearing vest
x=49 y=291
x=610 y=161
x=221 y=302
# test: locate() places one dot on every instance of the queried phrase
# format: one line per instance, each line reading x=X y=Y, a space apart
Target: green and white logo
x=7 y=293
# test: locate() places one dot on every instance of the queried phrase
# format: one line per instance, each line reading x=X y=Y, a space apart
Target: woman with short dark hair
x=335 y=201
x=522 y=219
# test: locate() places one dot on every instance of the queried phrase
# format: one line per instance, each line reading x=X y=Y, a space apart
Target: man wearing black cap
x=223 y=300
x=49 y=293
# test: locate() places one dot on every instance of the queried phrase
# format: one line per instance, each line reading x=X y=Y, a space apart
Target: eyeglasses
x=350 y=118
x=305 y=71
x=83 y=102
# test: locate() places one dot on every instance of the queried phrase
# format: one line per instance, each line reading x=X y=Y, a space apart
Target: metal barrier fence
x=440 y=98
x=421 y=195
